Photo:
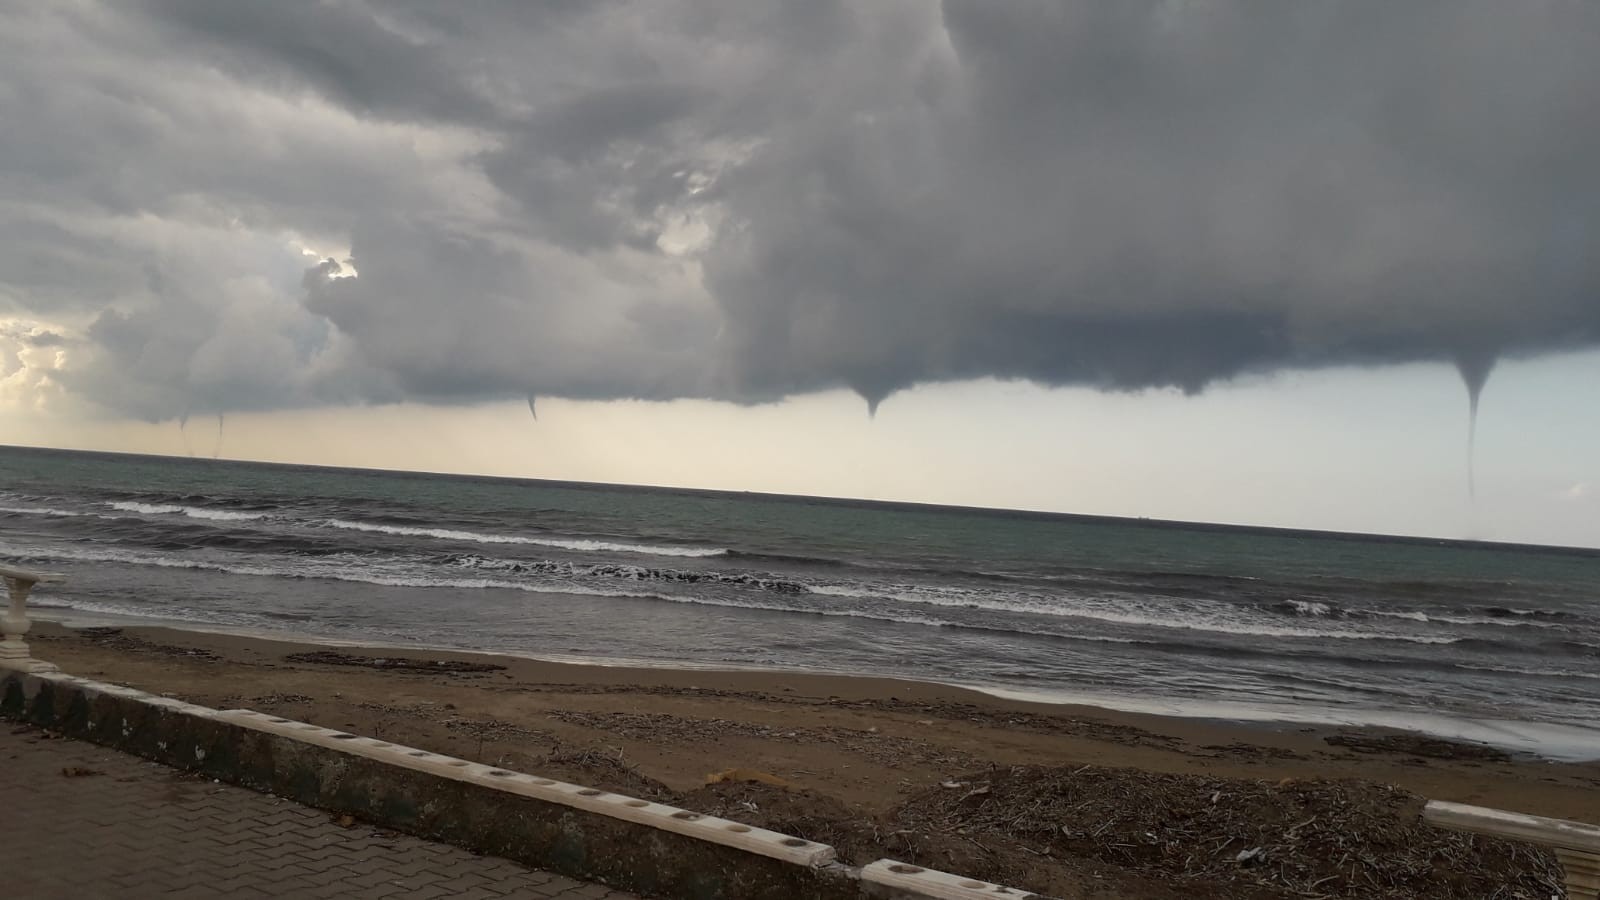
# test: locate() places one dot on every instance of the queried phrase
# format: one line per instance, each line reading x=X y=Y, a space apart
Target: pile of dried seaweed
x=1094 y=832
x=392 y=663
x=1310 y=838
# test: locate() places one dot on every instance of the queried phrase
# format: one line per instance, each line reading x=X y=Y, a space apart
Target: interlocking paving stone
x=134 y=829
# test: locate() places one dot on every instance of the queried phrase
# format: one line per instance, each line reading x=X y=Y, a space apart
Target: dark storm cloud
x=744 y=201
x=351 y=52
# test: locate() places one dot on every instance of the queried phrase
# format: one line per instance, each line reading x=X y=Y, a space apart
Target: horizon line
x=868 y=502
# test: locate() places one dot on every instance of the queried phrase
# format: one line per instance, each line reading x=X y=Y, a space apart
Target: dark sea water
x=1493 y=643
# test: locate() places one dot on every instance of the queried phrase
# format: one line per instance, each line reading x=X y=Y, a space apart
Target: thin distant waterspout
x=1474 y=369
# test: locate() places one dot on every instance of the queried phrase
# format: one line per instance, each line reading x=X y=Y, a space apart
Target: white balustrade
x=1576 y=844
x=14 y=649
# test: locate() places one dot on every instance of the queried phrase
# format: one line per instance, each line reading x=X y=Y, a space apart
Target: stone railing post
x=1576 y=844
x=14 y=649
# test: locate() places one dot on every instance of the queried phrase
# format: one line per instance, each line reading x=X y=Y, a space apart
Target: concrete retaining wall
x=649 y=848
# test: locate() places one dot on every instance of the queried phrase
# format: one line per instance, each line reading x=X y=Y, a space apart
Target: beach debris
x=79 y=772
x=276 y=699
x=345 y=821
x=115 y=639
x=392 y=664
x=755 y=775
x=952 y=785
x=1310 y=838
x=597 y=767
x=1417 y=745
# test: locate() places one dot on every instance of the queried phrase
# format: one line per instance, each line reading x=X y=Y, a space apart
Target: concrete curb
x=582 y=832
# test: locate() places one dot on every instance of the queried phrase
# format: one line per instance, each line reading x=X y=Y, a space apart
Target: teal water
x=1118 y=611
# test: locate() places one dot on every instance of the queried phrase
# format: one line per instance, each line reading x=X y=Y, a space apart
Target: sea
x=1486 y=642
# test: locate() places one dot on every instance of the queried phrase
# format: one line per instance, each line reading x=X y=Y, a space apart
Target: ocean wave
x=359 y=575
x=1448 y=619
x=1082 y=608
x=1399 y=614
x=580 y=544
x=1491 y=620
x=332 y=570
x=41 y=511
x=898 y=619
x=1501 y=612
x=157 y=613
x=1537 y=673
x=802 y=559
x=193 y=512
x=634 y=573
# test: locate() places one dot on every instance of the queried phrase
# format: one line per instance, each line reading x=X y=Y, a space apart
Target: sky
x=1195 y=259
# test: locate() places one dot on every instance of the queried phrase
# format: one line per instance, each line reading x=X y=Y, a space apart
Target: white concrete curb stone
x=903 y=881
x=884 y=878
x=629 y=809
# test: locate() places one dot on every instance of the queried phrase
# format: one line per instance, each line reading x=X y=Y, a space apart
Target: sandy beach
x=861 y=761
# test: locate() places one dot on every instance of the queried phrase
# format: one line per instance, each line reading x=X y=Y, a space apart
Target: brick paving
x=80 y=821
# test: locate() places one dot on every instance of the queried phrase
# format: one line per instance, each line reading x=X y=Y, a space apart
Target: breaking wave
x=580 y=544
x=193 y=512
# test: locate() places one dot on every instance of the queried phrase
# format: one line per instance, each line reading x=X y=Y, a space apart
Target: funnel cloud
x=341 y=203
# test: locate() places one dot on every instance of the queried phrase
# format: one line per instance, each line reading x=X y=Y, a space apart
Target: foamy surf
x=579 y=544
x=1171 y=615
x=193 y=512
x=40 y=511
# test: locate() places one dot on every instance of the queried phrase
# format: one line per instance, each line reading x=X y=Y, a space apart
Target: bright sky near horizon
x=1379 y=451
x=1197 y=260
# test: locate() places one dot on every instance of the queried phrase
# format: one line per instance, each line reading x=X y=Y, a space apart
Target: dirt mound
x=802 y=813
x=597 y=769
x=1314 y=838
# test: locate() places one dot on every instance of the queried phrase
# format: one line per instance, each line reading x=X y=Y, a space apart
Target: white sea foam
x=222 y=515
x=1102 y=611
x=881 y=617
x=149 y=509
x=194 y=512
x=40 y=511
x=1401 y=614
x=447 y=534
x=330 y=568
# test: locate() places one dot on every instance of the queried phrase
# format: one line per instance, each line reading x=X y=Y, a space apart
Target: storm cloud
x=217 y=207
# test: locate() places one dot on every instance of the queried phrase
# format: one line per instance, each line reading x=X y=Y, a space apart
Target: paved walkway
x=81 y=821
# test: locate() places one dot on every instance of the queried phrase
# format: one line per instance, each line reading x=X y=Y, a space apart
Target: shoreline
x=1549 y=742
